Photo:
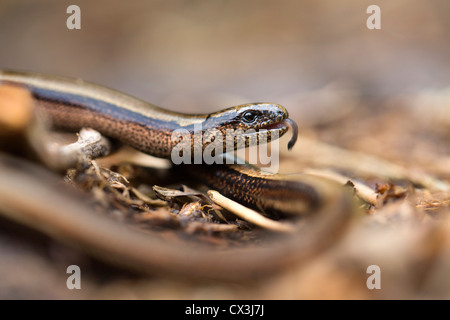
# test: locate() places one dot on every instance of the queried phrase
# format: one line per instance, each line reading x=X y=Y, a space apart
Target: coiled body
x=73 y=104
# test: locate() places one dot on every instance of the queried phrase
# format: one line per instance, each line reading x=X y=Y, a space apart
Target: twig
x=249 y=214
x=361 y=190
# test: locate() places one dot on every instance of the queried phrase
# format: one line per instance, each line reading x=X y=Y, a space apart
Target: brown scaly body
x=72 y=104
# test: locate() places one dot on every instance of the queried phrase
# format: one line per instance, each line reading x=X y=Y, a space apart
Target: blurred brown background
x=383 y=93
x=204 y=55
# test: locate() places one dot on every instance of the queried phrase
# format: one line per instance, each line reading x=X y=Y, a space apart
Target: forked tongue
x=291 y=124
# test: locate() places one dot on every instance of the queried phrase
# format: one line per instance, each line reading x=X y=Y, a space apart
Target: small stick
x=249 y=214
x=362 y=190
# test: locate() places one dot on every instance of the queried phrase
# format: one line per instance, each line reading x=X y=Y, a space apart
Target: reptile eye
x=249 y=116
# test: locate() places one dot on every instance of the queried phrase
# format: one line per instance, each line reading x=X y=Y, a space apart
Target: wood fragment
x=321 y=154
x=167 y=194
x=362 y=191
x=249 y=214
x=150 y=201
x=15 y=109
